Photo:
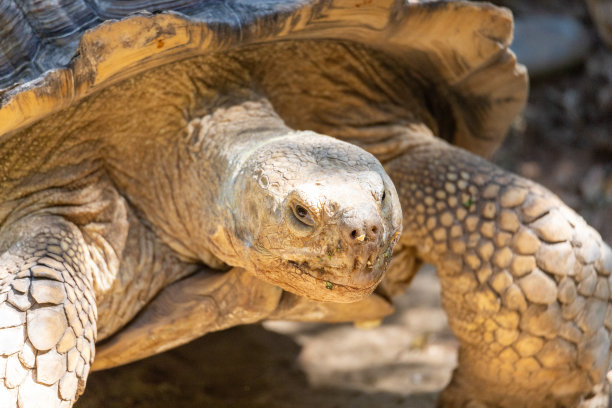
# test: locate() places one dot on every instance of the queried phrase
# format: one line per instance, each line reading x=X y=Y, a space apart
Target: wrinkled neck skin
x=225 y=139
x=311 y=214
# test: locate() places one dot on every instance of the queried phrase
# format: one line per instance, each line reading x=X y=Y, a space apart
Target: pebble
x=549 y=43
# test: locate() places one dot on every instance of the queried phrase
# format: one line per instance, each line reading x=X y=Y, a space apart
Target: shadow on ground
x=242 y=367
x=402 y=363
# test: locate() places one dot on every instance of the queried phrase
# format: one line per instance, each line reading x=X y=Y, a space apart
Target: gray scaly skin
x=525 y=281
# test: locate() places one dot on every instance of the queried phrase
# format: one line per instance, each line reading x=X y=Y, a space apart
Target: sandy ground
x=402 y=363
x=563 y=140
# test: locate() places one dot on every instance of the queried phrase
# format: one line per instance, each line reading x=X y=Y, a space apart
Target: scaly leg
x=201 y=303
x=525 y=281
x=47 y=314
x=208 y=301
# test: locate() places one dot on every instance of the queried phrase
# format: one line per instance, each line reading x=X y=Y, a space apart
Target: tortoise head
x=317 y=216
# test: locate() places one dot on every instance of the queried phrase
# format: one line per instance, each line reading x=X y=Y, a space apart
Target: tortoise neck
x=196 y=213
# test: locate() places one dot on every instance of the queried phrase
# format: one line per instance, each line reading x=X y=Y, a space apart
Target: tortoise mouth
x=351 y=281
x=327 y=287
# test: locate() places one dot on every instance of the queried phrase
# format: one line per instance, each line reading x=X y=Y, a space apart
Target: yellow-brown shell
x=460 y=49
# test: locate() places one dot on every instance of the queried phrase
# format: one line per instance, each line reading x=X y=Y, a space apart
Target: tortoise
x=171 y=168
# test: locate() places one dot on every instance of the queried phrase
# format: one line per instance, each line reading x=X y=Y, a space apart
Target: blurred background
x=563 y=140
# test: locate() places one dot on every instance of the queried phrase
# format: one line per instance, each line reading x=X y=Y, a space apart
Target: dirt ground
x=563 y=140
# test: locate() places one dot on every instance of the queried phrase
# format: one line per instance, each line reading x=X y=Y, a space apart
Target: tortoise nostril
x=354 y=234
x=375 y=229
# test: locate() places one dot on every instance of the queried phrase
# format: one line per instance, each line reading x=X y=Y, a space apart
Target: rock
x=549 y=43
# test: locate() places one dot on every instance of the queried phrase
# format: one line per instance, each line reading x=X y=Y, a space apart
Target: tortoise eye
x=300 y=211
x=303 y=215
x=384 y=194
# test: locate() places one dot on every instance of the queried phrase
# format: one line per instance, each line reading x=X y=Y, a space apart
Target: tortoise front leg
x=204 y=302
x=208 y=301
x=525 y=281
x=47 y=314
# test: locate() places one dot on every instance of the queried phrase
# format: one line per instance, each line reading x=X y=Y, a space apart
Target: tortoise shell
x=453 y=55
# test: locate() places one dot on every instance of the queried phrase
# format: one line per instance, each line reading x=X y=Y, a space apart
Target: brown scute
x=456 y=70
